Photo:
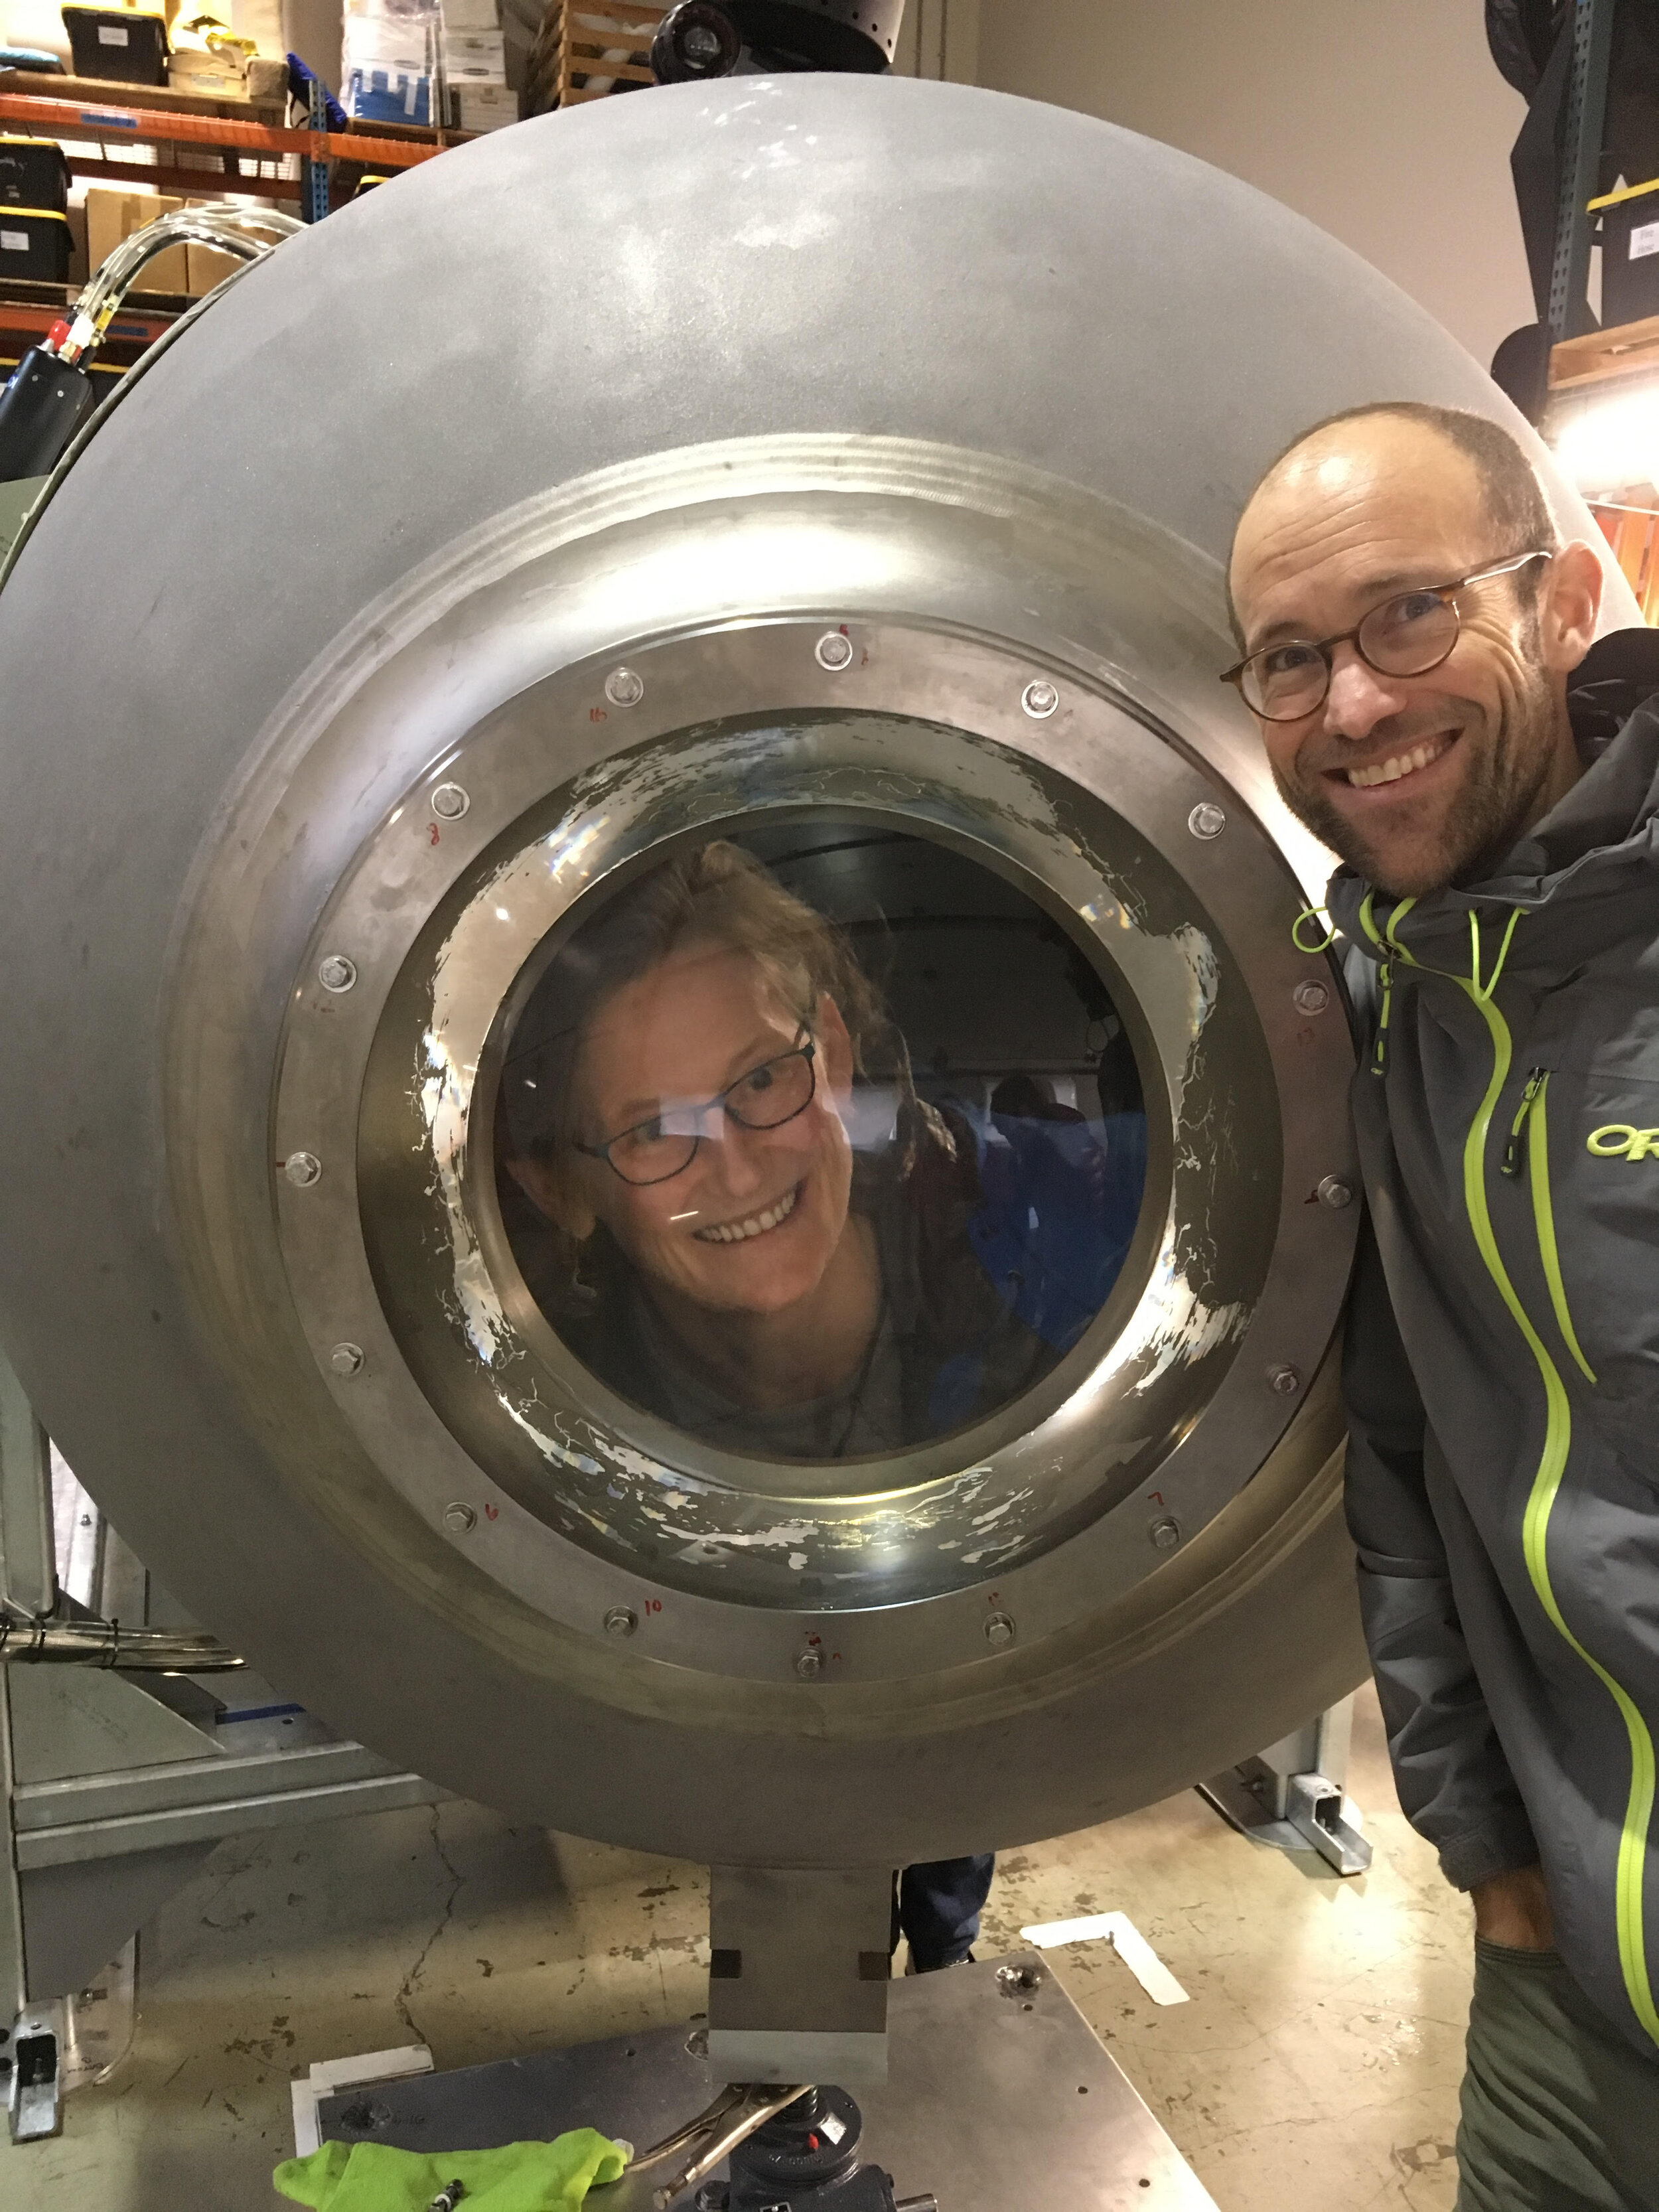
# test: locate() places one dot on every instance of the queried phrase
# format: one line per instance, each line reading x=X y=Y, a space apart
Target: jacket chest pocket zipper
x=1513 y=1159
x=1529 y=1148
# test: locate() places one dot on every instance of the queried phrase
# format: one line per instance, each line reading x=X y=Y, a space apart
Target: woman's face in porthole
x=752 y=1223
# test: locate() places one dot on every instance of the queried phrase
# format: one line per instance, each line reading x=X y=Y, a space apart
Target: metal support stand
x=1291 y=1795
x=798 y=1973
x=115 y=1787
x=1591 y=31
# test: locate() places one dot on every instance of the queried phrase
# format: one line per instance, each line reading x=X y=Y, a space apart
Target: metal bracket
x=35 y=2105
x=1316 y=1810
x=1290 y=1795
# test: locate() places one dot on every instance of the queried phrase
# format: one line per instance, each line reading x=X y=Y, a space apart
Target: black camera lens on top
x=694 y=40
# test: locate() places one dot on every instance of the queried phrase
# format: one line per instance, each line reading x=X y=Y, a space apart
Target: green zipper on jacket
x=1558 y=1430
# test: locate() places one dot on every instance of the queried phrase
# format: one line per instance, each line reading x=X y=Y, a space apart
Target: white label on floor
x=1125 y=1938
x=1644 y=241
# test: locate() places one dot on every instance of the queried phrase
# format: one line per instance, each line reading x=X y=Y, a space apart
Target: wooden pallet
x=1626 y=349
x=592 y=59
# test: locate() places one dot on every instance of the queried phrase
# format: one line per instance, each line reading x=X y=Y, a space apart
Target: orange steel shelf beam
x=155 y=127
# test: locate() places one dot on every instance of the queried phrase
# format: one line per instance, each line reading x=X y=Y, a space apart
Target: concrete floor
x=1318 y=2060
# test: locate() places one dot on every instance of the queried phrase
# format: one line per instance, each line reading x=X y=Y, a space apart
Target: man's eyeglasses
x=1406 y=636
x=665 y=1145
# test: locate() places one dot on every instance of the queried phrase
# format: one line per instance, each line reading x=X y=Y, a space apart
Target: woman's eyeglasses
x=1406 y=636
x=665 y=1145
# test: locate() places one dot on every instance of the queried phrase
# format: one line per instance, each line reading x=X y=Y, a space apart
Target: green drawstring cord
x=1313 y=914
x=1483 y=991
x=1390 y=947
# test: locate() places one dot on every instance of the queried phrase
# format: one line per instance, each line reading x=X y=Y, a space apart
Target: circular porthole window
x=818 y=1142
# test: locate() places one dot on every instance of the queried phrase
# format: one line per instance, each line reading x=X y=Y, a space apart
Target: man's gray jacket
x=1504 y=1465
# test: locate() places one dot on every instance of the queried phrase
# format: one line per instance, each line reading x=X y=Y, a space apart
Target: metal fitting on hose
x=26 y=1639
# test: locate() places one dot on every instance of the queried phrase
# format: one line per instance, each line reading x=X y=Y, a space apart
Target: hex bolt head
x=809 y=1665
x=1311 y=998
x=347 y=1360
x=1040 y=699
x=620 y=1620
x=834 y=651
x=1284 y=1381
x=1207 y=819
x=336 y=972
x=302 y=1169
x=459 y=1519
x=624 y=687
x=999 y=1632
x=450 y=802
x=1164 y=1534
x=1335 y=1190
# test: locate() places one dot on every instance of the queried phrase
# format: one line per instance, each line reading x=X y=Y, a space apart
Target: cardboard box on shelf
x=77 y=222
x=464 y=15
x=267 y=82
x=206 y=267
x=483 y=106
x=112 y=215
x=475 y=56
x=210 y=76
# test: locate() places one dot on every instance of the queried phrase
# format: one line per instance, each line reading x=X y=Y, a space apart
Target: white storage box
x=475 y=56
x=483 y=106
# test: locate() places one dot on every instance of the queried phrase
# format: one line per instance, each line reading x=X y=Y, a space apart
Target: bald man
x=1417 y=647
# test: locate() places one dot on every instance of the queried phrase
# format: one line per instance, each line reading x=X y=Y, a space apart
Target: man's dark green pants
x=1560 y=2113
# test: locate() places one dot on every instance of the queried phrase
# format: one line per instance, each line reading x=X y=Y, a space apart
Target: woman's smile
x=755 y=1224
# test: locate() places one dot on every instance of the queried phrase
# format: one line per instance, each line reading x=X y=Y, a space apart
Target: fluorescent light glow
x=1611 y=442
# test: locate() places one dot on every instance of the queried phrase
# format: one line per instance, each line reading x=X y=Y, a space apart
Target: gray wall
x=1382 y=120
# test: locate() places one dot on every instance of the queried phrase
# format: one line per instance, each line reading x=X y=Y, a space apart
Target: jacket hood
x=1597 y=848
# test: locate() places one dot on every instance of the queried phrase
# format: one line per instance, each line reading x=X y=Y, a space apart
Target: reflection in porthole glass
x=820 y=1141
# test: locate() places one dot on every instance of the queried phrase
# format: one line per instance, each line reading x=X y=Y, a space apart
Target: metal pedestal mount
x=801 y=535
x=1001 y=2095
x=1291 y=1795
x=807 y=2157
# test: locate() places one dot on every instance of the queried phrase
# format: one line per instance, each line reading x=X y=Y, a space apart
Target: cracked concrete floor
x=1320 y=2050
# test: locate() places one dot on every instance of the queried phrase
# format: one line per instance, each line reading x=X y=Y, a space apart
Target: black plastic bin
x=1630 y=260
x=34 y=173
x=125 y=44
x=34 y=243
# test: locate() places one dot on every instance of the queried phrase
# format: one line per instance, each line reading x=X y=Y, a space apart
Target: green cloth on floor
x=526 y=2177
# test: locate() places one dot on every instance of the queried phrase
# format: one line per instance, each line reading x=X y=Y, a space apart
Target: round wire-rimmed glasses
x=657 y=1150
x=1406 y=635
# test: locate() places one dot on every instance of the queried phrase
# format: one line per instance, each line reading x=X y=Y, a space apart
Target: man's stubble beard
x=1486 y=814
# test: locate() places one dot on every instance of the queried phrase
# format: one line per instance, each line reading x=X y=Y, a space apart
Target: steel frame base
x=998 y=2094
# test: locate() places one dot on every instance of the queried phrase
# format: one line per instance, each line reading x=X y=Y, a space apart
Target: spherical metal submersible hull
x=836 y=469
